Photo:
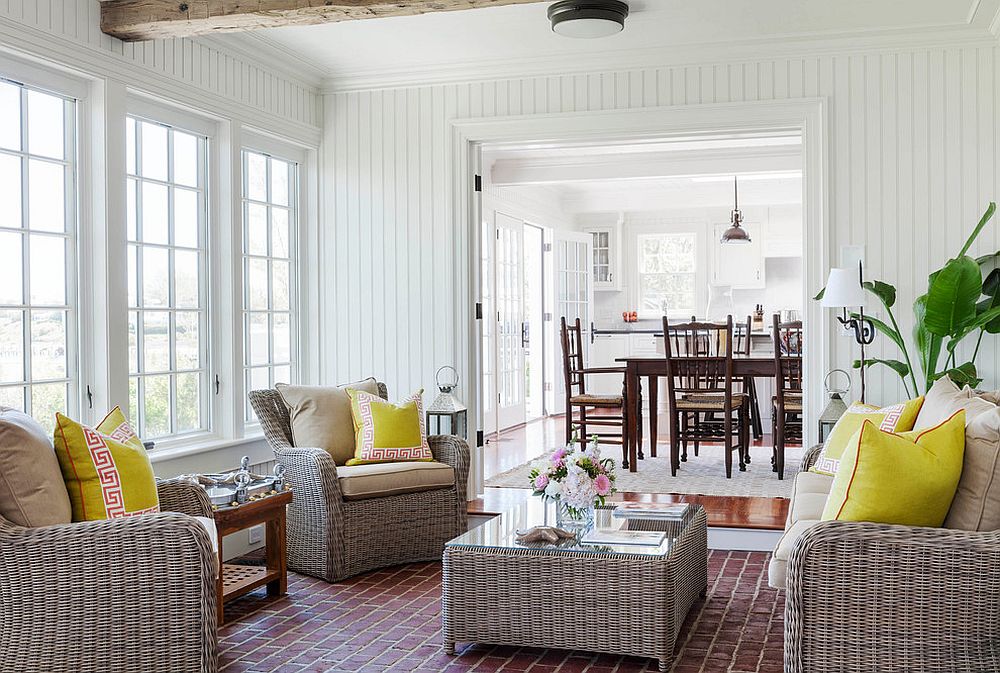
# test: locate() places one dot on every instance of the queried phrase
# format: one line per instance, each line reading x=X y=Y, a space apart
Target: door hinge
x=547 y=317
x=546 y=247
x=547 y=386
x=479 y=310
x=479 y=183
x=480 y=438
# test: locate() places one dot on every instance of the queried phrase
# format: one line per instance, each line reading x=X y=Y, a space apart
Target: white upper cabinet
x=739 y=265
x=606 y=257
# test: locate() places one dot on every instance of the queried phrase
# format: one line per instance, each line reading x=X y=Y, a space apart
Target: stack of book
x=669 y=511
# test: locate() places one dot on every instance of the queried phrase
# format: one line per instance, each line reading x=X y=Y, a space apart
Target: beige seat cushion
x=597 y=400
x=321 y=416
x=976 y=505
x=777 y=568
x=32 y=490
x=809 y=494
x=812 y=482
x=378 y=480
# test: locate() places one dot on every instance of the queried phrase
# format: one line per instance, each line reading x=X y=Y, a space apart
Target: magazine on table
x=651 y=510
x=636 y=537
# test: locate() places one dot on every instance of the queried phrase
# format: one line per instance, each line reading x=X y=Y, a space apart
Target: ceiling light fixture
x=588 y=18
x=736 y=233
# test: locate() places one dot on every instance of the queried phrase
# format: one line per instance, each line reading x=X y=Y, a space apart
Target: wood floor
x=518 y=445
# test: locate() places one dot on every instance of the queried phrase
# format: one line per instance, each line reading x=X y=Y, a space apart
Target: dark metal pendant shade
x=736 y=233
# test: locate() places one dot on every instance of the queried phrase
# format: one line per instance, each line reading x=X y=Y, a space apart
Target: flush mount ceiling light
x=588 y=18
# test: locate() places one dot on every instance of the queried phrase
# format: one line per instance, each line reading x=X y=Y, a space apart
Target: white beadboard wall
x=913 y=161
x=68 y=32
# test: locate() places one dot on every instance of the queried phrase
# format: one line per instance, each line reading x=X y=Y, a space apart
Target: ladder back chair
x=581 y=406
x=786 y=412
x=742 y=346
x=700 y=382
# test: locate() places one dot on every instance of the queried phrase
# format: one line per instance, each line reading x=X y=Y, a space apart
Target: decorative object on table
x=894 y=418
x=279 y=477
x=652 y=510
x=577 y=478
x=844 y=290
x=720 y=302
x=836 y=407
x=602 y=536
x=242 y=494
x=106 y=469
x=758 y=318
x=447 y=406
x=544 y=535
x=962 y=300
x=237 y=580
x=223 y=488
x=736 y=233
x=387 y=432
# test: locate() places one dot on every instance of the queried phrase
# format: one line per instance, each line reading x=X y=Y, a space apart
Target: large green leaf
x=819 y=295
x=952 y=296
x=987 y=216
x=885 y=292
x=963 y=375
x=993 y=326
x=895 y=365
x=979 y=322
x=991 y=283
x=928 y=345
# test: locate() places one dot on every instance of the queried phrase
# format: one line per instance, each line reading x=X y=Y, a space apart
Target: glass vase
x=574 y=519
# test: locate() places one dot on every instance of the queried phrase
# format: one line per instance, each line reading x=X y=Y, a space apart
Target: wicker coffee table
x=620 y=599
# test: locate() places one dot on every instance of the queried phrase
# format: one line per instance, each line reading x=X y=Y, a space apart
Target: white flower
x=553 y=490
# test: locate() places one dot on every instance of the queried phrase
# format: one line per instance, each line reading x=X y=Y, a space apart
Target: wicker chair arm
x=453 y=451
x=865 y=596
x=181 y=495
x=809 y=459
x=83 y=596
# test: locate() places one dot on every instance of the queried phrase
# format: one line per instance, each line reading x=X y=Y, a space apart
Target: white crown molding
x=964 y=34
x=256 y=48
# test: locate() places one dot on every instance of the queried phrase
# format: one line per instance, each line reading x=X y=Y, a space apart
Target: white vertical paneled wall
x=913 y=162
x=68 y=32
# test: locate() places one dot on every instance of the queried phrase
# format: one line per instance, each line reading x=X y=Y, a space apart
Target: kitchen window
x=668 y=265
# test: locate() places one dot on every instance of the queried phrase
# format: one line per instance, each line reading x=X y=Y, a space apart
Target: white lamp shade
x=843 y=289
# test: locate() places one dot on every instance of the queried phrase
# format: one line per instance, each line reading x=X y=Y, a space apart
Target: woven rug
x=701 y=475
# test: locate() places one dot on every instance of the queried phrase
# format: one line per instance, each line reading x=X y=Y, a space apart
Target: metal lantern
x=836 y=407
x=447 y=406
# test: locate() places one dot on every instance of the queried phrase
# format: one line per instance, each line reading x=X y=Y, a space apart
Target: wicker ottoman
x=621 y=599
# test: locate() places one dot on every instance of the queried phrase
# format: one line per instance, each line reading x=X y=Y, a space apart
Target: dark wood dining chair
x=742 y=345
x=786 y=412
x=700 y=383
x=586 y=411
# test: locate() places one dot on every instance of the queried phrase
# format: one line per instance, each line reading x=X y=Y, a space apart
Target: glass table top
x=500 y=532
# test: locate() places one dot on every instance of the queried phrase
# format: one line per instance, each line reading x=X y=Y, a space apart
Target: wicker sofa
x=876 y=597
x=119 y=595
x=333 y=536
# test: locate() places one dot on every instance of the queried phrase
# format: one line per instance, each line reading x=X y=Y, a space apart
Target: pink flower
x=558 y=457
x=602 y=485
x=541 y=481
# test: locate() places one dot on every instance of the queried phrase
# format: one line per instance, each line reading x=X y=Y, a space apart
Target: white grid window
x=270 y=193
x=37 y=252
x=167 y=280
x=667 y=266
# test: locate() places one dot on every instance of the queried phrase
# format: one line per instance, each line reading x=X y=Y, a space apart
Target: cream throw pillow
x=321 y=416
x=977 y=501
x=944 y=399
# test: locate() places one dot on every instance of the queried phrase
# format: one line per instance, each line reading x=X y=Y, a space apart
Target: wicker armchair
x=333 y=538
x=876 y=597
x=120 y=595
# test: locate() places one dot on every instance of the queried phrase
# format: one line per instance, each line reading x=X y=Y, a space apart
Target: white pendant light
x=588 y=18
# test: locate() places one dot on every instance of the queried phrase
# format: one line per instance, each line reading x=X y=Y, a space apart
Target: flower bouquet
x=577 y=478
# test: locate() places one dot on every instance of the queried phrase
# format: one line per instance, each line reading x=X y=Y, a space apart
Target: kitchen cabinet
x=606 y=257
x=604 y=351
x=739 y=265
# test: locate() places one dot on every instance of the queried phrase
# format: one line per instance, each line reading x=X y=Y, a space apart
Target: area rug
x=701 y=475
x=390 y=620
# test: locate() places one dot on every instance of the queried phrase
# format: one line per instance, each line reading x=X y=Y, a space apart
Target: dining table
x=758 y=365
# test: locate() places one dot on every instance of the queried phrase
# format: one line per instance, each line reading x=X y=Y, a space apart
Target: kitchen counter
x=644 y=327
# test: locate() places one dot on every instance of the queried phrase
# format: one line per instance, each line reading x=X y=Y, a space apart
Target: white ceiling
x=518 y=36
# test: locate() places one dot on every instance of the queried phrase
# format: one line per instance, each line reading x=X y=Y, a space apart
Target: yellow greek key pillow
x=908 y=478
x=895 y=418
x=387 y=432
x=108 y=476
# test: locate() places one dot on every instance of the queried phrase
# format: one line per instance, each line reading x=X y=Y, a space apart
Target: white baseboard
x=743 y=539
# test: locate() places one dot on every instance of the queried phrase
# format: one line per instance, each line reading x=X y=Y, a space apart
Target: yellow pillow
x=116 y=426
x=908 y=479
x=386 y=432
x=106 y=478
x=895 y=418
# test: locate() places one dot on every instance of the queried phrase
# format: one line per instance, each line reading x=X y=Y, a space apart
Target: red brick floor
x=390 y=621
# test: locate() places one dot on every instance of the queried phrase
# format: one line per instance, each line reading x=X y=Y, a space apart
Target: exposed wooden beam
x=133 y=20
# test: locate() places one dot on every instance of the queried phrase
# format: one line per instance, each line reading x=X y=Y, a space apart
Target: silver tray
x=224 y=494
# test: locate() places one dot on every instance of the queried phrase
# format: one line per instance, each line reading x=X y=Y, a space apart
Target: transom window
x=167 y=279
x=37 y=252
x=667 y=266
x=270 y=193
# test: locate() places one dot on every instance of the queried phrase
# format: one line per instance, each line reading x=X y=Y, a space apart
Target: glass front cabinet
x=606 y=257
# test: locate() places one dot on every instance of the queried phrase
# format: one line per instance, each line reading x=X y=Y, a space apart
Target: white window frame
x=298 y=212
x=698 y=274
x=29 y=77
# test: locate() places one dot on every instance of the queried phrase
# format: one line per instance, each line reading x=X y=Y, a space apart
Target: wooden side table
x=237 y=580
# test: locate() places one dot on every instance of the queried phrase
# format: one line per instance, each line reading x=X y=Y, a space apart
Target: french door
x=510 y=335
x=573 y=296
